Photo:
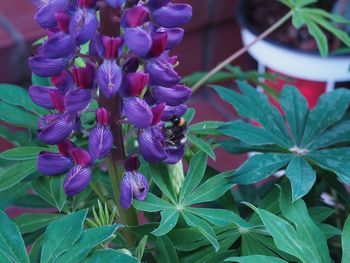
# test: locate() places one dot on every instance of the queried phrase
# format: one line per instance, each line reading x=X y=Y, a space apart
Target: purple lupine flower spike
x=159 y=42
x=135 y=16
x=45 y=15
x=162 y=73
x=46 y=67
x=138 y=112
x=77 y=180
x=100 y=138
x=59 y=46
x=172 y=15
x=138 y=40
x=133 y=184
x=115 y=3
x=173 y=96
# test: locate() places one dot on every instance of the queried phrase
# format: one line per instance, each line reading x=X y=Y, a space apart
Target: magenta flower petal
x=111 y=46
x=135 y=16
x=133 y=84
x=159 y=42
x=77 y=180
x=45 y=15
x=46 y=67
x=138 y=40
x=54 y=128
x=109 y=78
x=83 y=25
x=150 y=142
x=102 y=116
x=59 y=46
x=84 y=76
x=138 y=112
x=81 y=157
x=162 y=73
x=157 y=113
x=132 y=163
x=170 y=112
x=77 y=100
x=173 y=96
x=100 y=142
x=53 y=163
x=172 y=15
x=41 y=96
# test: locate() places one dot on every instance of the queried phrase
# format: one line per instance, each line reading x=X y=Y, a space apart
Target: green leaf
x=334 y=160
x=246 y=132
x=205 y=128
x=319 y=36
x=17 y=116
x=159 y=173
x=14 y=174
x=11 y=195
x=88 y=240
x=35 y=251
x=260 y=166
x=29 y=222
x=140 y=249
x=22 y=153
x=236 y=146
x=203 y=227
x=169 y=218
x=18 y=96
x=329 y=231
x=306 y=229
x=31 y=201
x=110 y=256
x=301 y=176
x=295 y=108
x=189 y=115
x=320 y=213
x=202 y=145
x=285 y=236
x=166 y=252
x=152 y=203
x=12 y=248
x=257 y=258
x=194 y=175
x=51 y=190
x=330 y=108
x=219 y=217
x=211 y=190
x=345 y=240
x=61 y=235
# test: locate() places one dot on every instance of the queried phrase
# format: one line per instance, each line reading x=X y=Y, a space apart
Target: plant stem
x=242 y=51
x=110 y=27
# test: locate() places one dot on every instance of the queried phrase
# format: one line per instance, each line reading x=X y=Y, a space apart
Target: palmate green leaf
x=30 y=222
x=210 y=190
x=169 y=218
x=189 y=115
x=166 y=252
x=14 y=174
x=61 y=235
x=259 y=167
x=195 y=175
x=51 y=190
x=35 y=250
x=22 y=153
x=256 y=258
x=205 y=128
x=346 y=241
x=301 y=176
x=202 y=145
x=17 y=116
x=252 y=246
x=246 y=132
x=12 y=248
x=110 y=256
x=318 y=35
x=295 y=108
x=18 y=96
x=89 y=239
x=329 y=231
x=220 y=217
x=236 y=146
x=330 y=108
x=140 y=249
x=203 y=227
x=31 y=201
x=152 y=203
x=306 y=229
x=335 y=160
x=285 y=236
x=256 y=106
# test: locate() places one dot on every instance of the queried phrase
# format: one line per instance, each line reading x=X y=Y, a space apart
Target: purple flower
x=154 y=4
x=173 y=96
x=133 y=184
x=77 y=100
x=171 y=112
x=138 y=40
x=115 y=3
x=58 y=46
x=138 y=112
x=84 y=76
x=83 y=25
x=174 y=36
x=100 y=138
x=135 y=16
x=46 y=67
x=77 y=180
x=53 y=163
x=45 y=15
x=134 y=84
x=172 y=15
x=162 y=73
x=109 y=78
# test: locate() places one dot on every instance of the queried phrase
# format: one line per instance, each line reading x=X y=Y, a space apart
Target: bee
x=176 y=132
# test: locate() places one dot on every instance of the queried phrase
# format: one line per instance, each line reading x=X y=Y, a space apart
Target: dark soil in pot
x=261 y=14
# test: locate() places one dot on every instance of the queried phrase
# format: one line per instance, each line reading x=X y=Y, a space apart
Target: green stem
x=242 y=51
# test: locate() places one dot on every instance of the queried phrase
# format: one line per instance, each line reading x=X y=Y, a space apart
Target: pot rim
x=242 y=21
